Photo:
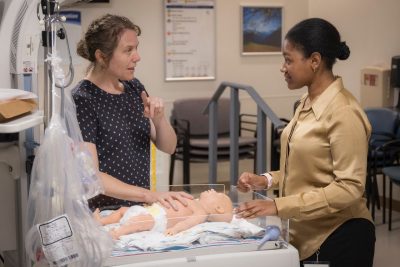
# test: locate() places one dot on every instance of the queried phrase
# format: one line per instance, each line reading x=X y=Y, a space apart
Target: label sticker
x=58 y=241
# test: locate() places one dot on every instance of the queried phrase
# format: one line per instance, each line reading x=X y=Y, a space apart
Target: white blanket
x=205 y=233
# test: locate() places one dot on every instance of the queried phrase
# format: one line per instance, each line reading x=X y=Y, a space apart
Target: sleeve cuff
x=268 y=179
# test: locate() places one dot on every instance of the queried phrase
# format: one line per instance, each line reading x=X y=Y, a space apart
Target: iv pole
x=48 y=10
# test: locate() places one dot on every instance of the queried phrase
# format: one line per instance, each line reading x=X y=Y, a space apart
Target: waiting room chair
x=391 y=151
x=385 y=126
x=192 y=130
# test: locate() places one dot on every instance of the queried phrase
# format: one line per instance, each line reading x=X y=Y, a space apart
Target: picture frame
x=190 y=43
x=261 y=29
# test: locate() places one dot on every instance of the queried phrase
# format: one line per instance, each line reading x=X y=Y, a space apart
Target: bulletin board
x=189 y=39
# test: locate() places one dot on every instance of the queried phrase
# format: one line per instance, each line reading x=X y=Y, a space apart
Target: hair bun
x=343 y=51
x=83 y=51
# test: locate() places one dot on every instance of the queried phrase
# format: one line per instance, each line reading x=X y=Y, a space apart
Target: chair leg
x=376 y=191
x=186 y=176
x=171 y=169
x=186 y=167
x=373 y=196
x=384 y=198
x=368 y=188
x=186 y=170
x=255 y=160
x=390 y=205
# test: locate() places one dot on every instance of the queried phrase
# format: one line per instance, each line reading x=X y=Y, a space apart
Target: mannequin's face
x=210 y=196
x=216 y=204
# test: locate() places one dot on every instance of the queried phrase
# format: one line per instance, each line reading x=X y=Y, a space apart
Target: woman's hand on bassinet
x=168 y=199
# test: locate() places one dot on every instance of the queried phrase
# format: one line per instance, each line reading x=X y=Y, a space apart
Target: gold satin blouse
x=323 y=167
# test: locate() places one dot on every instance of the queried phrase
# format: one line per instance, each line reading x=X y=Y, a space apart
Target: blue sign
x=73 y=17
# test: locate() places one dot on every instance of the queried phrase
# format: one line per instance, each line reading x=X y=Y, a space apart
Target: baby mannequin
x=210 y=206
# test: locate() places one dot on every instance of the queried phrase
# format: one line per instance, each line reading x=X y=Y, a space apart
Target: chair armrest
x=392 y=145
x=378 y=139
x=390 y=152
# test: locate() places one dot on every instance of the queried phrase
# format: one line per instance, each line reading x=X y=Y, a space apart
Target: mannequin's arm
x=187 y=223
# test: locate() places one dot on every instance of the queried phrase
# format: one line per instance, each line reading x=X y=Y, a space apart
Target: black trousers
x=351 y=245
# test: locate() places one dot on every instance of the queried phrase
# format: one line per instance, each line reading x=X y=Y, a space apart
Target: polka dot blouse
x=116 y=125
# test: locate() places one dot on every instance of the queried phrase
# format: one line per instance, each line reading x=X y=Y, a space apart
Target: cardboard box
x=14 y=108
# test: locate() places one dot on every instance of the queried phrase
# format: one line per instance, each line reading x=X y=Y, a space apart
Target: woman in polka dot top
x=118 y=118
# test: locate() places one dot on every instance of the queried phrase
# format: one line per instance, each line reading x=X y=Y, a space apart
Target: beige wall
x=370 y=28
x=262 y=72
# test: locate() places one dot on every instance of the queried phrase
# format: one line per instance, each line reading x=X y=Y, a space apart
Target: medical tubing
x=71 y=72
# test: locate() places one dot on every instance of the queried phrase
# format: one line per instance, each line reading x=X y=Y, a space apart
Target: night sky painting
x=262 y=29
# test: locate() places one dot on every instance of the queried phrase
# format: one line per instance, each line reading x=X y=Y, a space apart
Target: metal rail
x=263 y=112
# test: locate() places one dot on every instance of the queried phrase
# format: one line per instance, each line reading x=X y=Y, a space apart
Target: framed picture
x=261 y=30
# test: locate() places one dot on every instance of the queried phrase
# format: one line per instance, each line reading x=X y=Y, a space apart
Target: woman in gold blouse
x=323 y=160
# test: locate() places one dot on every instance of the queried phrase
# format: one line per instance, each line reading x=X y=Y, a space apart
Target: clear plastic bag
x=88 y=172
x=62 y=230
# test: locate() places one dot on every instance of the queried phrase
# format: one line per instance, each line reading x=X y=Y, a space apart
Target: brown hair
x=104 y=34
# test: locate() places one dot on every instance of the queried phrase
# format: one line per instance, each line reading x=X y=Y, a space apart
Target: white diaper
x=157 y=211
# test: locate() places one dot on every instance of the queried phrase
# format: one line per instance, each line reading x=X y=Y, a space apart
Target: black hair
x=318 y=35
